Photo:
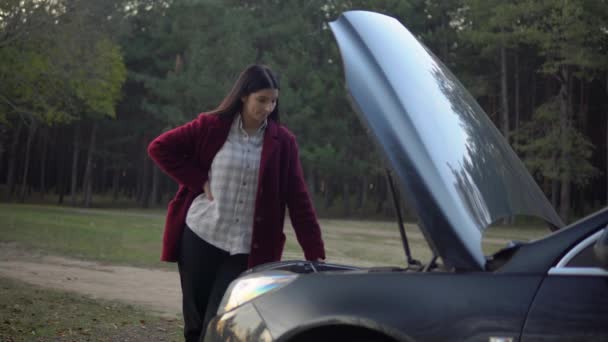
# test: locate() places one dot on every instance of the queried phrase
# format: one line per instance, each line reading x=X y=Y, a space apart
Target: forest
x=85 y=85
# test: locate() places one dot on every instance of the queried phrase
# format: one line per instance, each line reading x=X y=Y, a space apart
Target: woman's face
x=258 y=105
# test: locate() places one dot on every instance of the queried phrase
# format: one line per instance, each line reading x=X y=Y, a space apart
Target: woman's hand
x=207 y=190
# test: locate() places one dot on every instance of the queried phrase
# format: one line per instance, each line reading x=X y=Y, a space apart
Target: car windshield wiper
x=411 y=262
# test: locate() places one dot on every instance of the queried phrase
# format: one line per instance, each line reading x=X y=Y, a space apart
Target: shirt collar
x=238 y=124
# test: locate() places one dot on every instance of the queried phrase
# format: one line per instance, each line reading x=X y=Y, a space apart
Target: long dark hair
x=254 y=78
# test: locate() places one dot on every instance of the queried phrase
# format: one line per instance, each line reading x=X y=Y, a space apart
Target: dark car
x=461 y=176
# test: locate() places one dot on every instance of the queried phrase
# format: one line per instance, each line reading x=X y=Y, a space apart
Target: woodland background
x=86 y=84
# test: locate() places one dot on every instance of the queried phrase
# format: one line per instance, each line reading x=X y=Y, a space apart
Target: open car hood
x=451 y=162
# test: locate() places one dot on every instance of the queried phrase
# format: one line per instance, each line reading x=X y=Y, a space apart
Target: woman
x=237 y=169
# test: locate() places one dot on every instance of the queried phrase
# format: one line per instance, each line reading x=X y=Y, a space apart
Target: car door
x=572 y=301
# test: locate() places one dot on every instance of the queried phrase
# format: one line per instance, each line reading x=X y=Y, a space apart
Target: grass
x=29 y=313
x=132 y=237
x=123 y=237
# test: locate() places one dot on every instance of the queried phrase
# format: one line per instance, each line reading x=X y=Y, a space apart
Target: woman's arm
x=301 y=211
x=173 y=152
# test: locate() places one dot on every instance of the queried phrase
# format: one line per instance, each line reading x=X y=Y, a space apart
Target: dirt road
x=156 y=290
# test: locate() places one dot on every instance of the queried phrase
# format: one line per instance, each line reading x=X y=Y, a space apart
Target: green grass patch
x=133 y=237
x=29 y=313
x=126 y=237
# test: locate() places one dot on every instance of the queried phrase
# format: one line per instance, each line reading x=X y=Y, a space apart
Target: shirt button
x=255 y=246
x=244 y=183
x=258 y=219
x=237 y=220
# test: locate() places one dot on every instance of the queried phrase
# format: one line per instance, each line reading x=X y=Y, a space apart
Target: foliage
x=570 y=33
x=537 y=142
x=58 y=66
x=99 y=88
x=151 y=65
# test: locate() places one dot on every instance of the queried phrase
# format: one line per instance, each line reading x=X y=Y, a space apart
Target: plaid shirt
x=227 y=221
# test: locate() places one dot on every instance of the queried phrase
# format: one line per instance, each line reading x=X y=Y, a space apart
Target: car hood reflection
x=457 y=170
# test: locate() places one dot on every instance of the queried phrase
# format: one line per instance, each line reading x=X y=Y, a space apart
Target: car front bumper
x=242 y=324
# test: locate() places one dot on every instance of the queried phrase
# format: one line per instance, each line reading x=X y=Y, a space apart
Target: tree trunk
x=87 y=181
x=3 y=132
x=517 y=92
x=492 y=108
x=555 y=193
x=564 y=122
x=154 y=198
x=44 y=140
x=533 y=94
x=389 y=204
x=362 y=192
x=139 y=181
x=75 y=152
x=27 y=156
x=100 y=186
x=60 y=161
x=504 y=100
x=12 y=163
x=61 y=177
x=312 y=187
x=328 y=193
x=380 y=194
x=137 y=190
x=115 y=182
x=345 y=199
x=144 y=181
x=504 y=94
x=583 y=107
x=565 y=193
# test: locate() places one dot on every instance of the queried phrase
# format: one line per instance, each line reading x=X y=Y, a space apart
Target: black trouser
x=205 y=272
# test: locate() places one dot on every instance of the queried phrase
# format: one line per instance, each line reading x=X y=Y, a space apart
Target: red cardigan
x=185 y=153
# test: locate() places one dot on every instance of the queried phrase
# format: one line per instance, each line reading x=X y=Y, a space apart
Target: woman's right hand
x=207 y=190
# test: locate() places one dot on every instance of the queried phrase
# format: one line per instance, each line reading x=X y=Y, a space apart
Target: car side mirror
x=600 y=249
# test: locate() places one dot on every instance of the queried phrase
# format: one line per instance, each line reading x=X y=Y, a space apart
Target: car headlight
x=245 y=289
